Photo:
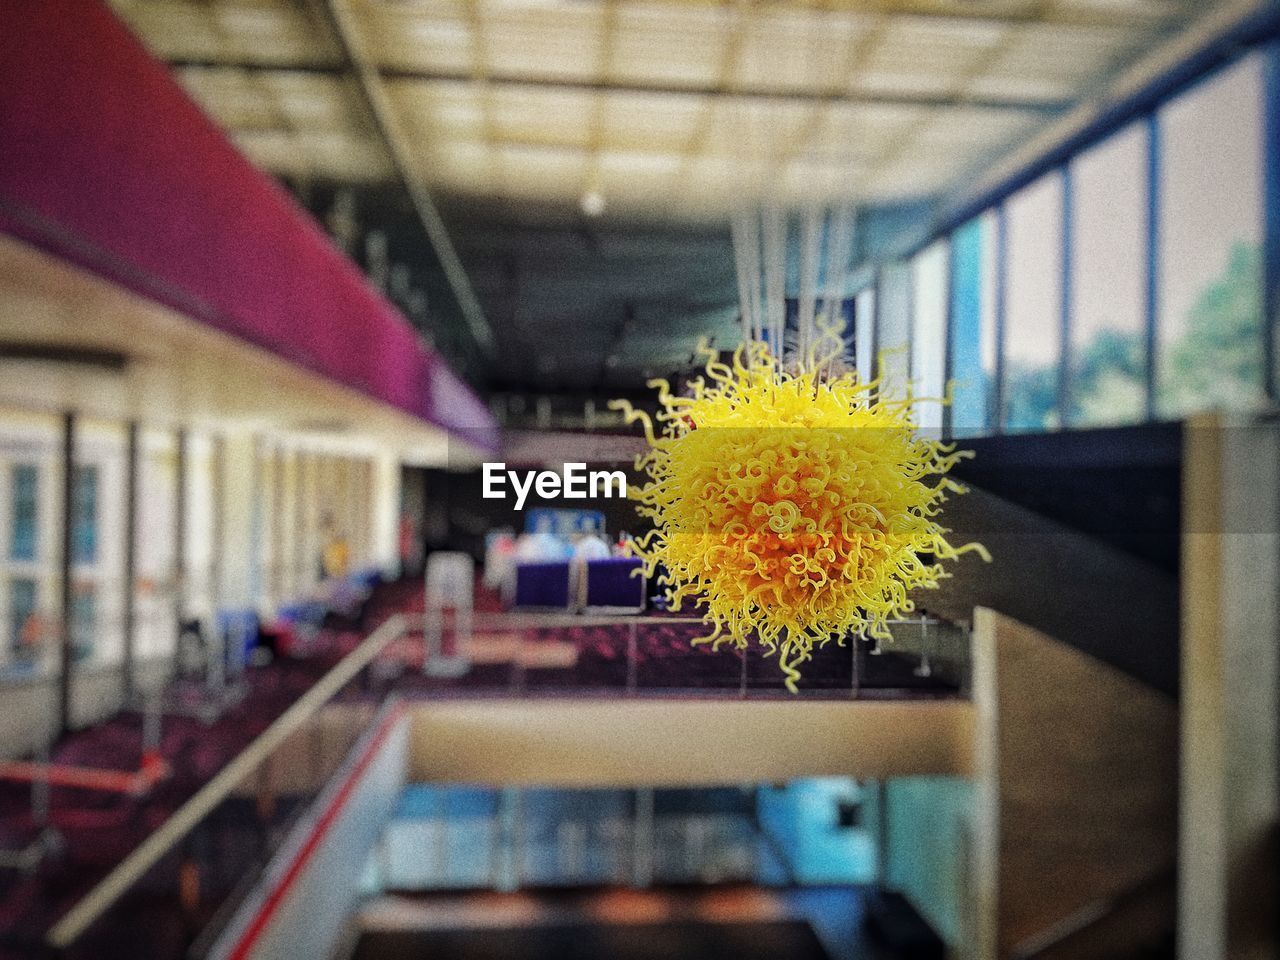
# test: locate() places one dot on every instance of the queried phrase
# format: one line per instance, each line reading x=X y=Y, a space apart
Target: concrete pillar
x=1230 y=689
x=238 y=505
x=384 y=539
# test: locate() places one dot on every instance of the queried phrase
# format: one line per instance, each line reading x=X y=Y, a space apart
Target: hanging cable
x=810 y=243
x=775 y=259
x=741 y=254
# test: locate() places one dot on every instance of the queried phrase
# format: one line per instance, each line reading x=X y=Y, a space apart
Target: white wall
x=254 y=505
x=156 y=583
x=384 y=546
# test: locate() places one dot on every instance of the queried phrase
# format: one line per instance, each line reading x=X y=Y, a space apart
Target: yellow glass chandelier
x=792 y=500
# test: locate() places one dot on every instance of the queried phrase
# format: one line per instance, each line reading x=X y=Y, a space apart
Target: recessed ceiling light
x=593 y=203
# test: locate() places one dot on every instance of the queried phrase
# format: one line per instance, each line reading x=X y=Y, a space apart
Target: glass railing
x=158 y=875
x=552 y=654
x=165 y=871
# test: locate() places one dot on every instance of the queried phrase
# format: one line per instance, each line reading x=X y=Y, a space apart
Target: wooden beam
x=1076 y=797
x=687 y=742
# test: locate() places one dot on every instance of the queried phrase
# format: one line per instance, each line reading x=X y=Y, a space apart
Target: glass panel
x=24 y=627
x=929 y=333
x=84 y=618
x=1107 y=324
x=1033 y=306
x=927 y=826
x=24 y=511
x=576 y=837
x=864 y=314
x=1209 y=350
x=973 y=325
x=84 y=531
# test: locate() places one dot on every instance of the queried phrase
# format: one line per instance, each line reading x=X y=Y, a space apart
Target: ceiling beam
x=851 y=58
x=496 y=172
x=969 y=11
x=943 y=11
x=903 y=145
x=823 y=95
x=388 y=123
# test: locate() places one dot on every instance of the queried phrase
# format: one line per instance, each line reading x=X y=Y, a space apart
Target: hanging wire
x=839 y=248
x=810 y=254
x=741 y=253
x=751 y=244
x=743 y=132
x=775 y=279
x=825 y=238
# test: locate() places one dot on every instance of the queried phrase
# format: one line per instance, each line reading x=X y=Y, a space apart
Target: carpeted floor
x=98 y=830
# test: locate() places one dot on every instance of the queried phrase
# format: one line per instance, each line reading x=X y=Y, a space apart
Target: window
x=864 y=314
x=84 y=529
x=929 y=334
x=1209 y=331
x=24 y=511
x=973 y=325
x=84 y=618
x=1107 y=379
x=23 y=628
x=894 y=327
x=1033 y=306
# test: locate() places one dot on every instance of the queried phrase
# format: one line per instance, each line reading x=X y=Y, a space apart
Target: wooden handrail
x=185 y=819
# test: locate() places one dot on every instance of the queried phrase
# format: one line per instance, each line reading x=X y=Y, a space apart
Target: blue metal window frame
x=995 y=418
x=1259 y=30
x=1271 y=216
x=1064 y=295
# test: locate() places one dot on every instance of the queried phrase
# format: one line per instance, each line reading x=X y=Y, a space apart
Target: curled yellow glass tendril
x=796 y=506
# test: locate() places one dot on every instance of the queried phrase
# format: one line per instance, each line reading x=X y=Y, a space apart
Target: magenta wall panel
x=105 y=161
